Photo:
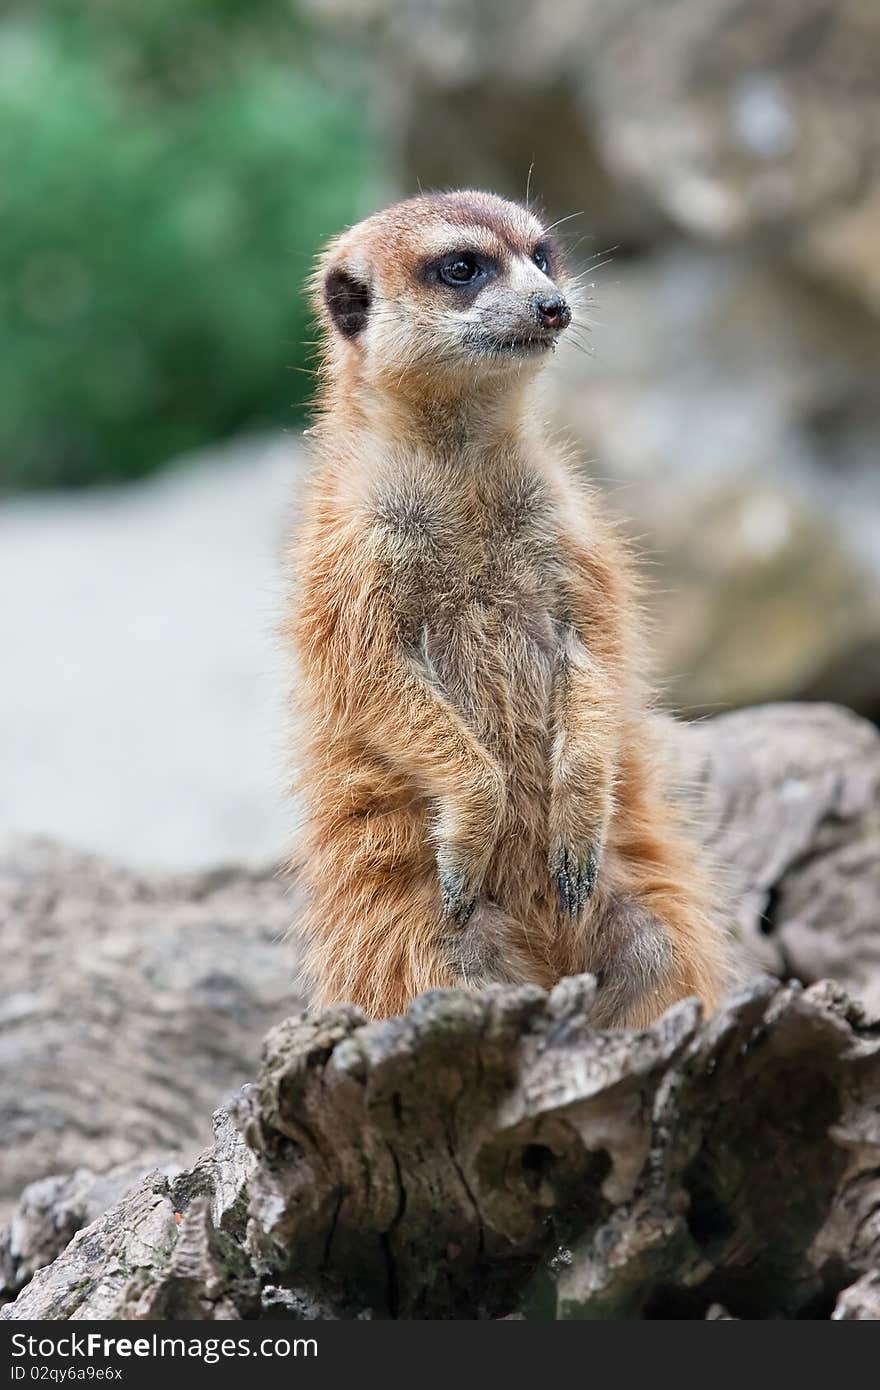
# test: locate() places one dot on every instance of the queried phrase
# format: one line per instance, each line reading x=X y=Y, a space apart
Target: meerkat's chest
x=482 y=563
x=490 y=638
x=482 y=586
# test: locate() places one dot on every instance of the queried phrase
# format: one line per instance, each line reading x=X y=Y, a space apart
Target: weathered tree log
x=130 y=1006
x=786 y=798
x=493 y=1156
x=52 y=1210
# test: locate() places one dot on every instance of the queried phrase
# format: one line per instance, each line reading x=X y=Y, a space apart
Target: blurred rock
x=748 y=121
x=786 y=799
x=130 y=1006
x=730 y=120
x=861 y=1301
x=481 y=93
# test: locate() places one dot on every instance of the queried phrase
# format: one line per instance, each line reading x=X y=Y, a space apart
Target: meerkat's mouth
x=525 y=345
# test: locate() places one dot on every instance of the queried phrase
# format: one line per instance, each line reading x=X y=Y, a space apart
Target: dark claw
x=590 y=873
x=575 y=880
x=456 y=901
x=562 y=884
x=467 y=911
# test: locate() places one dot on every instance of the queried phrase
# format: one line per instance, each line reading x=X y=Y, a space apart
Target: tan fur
x=466 y=630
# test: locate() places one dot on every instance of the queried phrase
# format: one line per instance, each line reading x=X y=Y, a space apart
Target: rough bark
x=786 y=798
x=129 y=1007
x=493 y=1156
x=479 y=1157
x=52 y=1210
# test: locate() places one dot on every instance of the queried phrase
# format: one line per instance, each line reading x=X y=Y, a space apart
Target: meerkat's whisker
x=560 y=220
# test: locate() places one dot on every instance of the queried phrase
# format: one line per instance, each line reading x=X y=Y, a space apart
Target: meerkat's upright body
x=479 y=766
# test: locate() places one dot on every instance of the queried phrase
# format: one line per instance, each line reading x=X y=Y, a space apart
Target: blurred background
x=167 y=172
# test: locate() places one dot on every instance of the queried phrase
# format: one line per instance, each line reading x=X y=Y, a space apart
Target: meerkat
x=479 y=763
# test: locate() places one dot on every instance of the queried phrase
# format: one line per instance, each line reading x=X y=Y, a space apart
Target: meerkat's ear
x=348 y=301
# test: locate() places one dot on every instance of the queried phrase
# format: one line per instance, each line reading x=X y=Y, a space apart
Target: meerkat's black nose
x=551 y=311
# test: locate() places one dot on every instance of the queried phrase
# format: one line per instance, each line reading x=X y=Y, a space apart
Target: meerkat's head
x=453 y=288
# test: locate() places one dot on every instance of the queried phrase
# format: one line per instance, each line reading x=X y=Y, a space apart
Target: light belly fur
x=495 y=664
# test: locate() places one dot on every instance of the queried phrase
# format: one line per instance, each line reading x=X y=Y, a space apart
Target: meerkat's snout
x=551 y=311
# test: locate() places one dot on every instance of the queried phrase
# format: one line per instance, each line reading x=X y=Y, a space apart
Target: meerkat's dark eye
x=542 y=259
x=460 y=270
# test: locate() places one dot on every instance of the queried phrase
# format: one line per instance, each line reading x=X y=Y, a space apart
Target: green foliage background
x=167 y=170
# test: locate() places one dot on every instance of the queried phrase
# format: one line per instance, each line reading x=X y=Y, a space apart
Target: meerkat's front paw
x=466 y=834
x=574 y=871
